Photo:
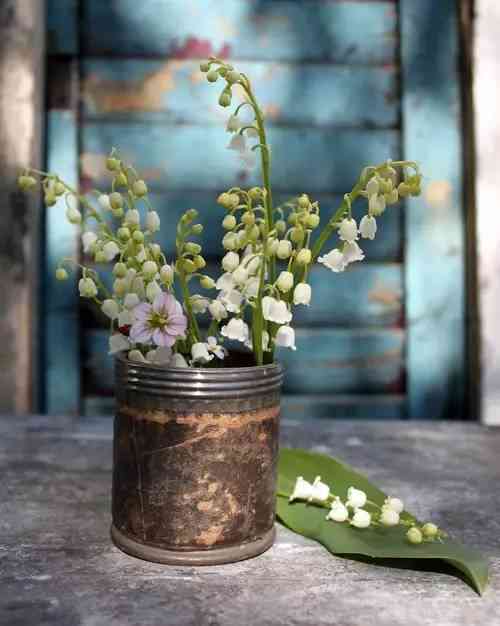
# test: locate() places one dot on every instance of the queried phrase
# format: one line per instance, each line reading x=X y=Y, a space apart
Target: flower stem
x=193 y=324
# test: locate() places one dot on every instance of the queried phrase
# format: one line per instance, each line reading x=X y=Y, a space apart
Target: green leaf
x=373 y=542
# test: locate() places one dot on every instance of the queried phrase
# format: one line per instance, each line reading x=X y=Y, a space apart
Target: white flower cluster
x=353 y=509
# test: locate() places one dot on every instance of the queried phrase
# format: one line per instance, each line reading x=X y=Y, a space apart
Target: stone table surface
x=58 y=566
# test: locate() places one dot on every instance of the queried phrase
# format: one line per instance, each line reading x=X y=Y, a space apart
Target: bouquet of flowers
x=268 y=250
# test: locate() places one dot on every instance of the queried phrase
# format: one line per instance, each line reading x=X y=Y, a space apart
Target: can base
x=215 y=556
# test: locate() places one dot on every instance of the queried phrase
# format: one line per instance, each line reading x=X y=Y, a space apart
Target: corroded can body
x=195 y=461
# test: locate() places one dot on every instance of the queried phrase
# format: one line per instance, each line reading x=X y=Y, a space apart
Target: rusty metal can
x=195 y=461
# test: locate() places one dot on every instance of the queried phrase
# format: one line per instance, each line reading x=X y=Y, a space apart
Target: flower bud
x=188 y=266
x=430 y=530
x=120 y=270
x=297 y=235
x=118 y=212
x=233 y=77
x=392 y=197
x=113 y=164
x=255 y=193
x=73 y=215
x=59 y=188
x=212 y=76
x=313 y=220
x=100 y=257
x=225 y=99
x=248 y=218
x=110 y=250
x=368 y=227
x=304 y=201
x=207 y=283
x=120 y=287
x=230 y=241
x=389 y=517
x=292 y=218
x=131 y=300
x=252 y=233
x=192 y=248
x=224 y=200
x=87 y=288
x=280 y=226
x=155 y=250
x=26 y=183
x=123 y=233
x=166 y=274
x=304 y=256
x=284 y=249
x=61 y=274
x=229 y=222
x=361 y=519
x=152 y=290
x=50 y=198
x=139 y=188
x=116 y=200
x=285 y=337
x=223 y=71
x=121 y=180
x=110 y=308
x=348 y=230
x=372 y=186
x=132 y=217
x=199 y=262
x=204 y=66
x=376 y=205
x=149 y=270
x=302 y=294
x=404 y=190
x=285 y=281
x=230 y=261
x=138 y=236
x=414 y=535
x=197 y=229
x=189 y=216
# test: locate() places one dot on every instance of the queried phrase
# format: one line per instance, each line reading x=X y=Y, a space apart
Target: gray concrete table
x=58 y=566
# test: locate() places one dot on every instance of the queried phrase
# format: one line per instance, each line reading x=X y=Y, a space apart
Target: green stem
x=193 y=324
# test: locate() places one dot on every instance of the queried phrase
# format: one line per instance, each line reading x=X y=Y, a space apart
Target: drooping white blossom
x=118 y=343
x=338 y=511
x=285 y=337
x=130 y=301
x=217 y=310
x=302 y=490
x=233 y=124
x=125 y=318
x=353 y=253
x=251 y=287
x=230 y=261
x=275 y=310
x=149 y=270
x=320 y=491
x=235 y=329
x=166 y=274
x=232 y=300
x=199 y=303
x=200 y=353
x=153 y=289
x=160 y=356
x=152 y=221
x=240 y=275
x=237 y=143
x=376 y=205
x=333 y=260
x=284 y=249
x=395 y=504
x=285 y=281
x=368 y=227
x=361 y=518
x=302 y=294
x=214 y=348
x=248 y=159
x=73 y=215
x=225 y=282
x=132 y=217
x=348 y=230
x=137 y=356
x=103 y=201
x=110 y=308
x=178 y=361
x=88 y=240
x=87 y=288
x=389 y=517
x=356 y=498
x=110 y=250
x=372 y=187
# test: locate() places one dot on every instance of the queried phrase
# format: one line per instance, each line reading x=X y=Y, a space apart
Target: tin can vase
x=195 y=462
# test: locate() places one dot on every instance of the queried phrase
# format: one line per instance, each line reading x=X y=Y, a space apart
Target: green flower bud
x=100 y=257
x=234 y=199
x=212 y=76
x=430 y=530
x=229 y=222
x=414 y=535
x=166 y=274
x=50 y=198
x=255 y=193
x=59 y=188
x=113 y=164
x=225 y=99
x=404 y=190
x=26 y=183
x=188 y=266
x=207 y=283
x=392 y=197
x=149 y=269
x=248 y=218
x=155 y=250
x=204 y=66
x=197 y=229
x=121 y=180
x=297 y=235
x=189 y=216
x=280 y=226
x=61 y=274
x=292 y=218
x=223 y=71
x=138 y=236
x=304 y=202
x=123 y=233
x=192 y=248
x=118 y=213
x=199 y=262
x=304 y=257
x=233 y=77
x=139 y=188
x=116 y=200
x=120 y=270
x=385 y=185
x=253 y=233
x=230 y=241
x=313 y=220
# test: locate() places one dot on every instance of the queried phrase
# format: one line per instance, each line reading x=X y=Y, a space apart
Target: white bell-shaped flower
x=132 y=217
x=302 y=490
x=253 y=265
x=166 y=274
x=125 y=318
x=178 y=361
x=217 y=310
x=389 y=517
x=376 y=205
x=235 y=329
x=232 y=300
x=137 y=356
x=233 y=124
x=356 y=498
x=248 y=159
x=302 y=294
x=348 y=230
x=152 y=221
x=225 y=282
x=395 y=504
x=87 y=288
x=368 y=227
x=238 y=143
x=251 y=288
x=149 y=270
x=200 y=353
x=333 y=260
x=372 y=187
x=88 y=240
x=118 y=343
x=230 y=261
x=285 y=281
x=152 y=290
x=284 y=249
x=110 y=308
x=352 y=253
x=240 y=275
x=285 y=337
x=320 y=491
x=103 y=201
x=338 y=511
x=130 y=301
x=361 y=518
x=110 y=250
x=214 y=348
x=199 y=303
x=275 y=310
x=73 y=215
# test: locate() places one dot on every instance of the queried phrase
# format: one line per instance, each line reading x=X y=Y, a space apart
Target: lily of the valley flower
x=200 y=353
x=232 y=300
x=237 y=143
x=233 y=124
x=159 y=356
x=285 y=281
x=302 y=490
x=103 y=201
x=361 y=518
x=356 y=498
x=348 y=230
x=214 y=348
x=217 y=310
x=130 y=301
x=230 y=261
x=88 y=240
x=395 y=504
x=368 y=227
x=320 y=491
x=110 y=308
x=110 y=250
x=199 y=303
x=389 y=517
x=240 y=275
x=132 y=217
x=137 y=356
x=225 y=282
x=178 y=361
x=275 y=310
x=302 y=294
x=235 y=329
x=118 y=343
x=352 y=253
x=87 y=288
x=285 y=337
x=160 y=323
x=152 y=221
x=153 y=290
x=338 y=511
x=333 y=260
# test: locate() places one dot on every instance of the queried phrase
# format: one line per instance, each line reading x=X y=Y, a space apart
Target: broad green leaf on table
x=373 y=542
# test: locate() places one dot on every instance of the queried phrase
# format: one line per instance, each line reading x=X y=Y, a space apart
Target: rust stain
x=112 y=96
x=438 y=194
x=211 y=535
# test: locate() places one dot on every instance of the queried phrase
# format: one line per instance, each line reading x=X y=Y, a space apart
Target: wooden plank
x=60 y=361
x=345 y=32
x=62 y=27
x=487 y=156
x=22 y=49
x=176 y=92
x=299 y=407
x=434 y=223
x=193 y=157
x=327 y=361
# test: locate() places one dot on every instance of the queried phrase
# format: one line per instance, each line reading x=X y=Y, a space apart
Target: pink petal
x=142 y=311
x=140 y=333
x=161 y=301
x=176 y=325
x=162 y=339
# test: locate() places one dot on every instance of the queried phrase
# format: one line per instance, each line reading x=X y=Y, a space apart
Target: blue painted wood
x=175 y=91
x=193 y=157
x=345 y=32
x=327 y=361
x=435 y=254
x=60 y=353
x=62 y=27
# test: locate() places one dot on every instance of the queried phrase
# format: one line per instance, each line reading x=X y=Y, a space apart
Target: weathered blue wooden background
x=343 y=84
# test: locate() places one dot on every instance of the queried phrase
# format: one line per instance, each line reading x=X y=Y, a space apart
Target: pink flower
x=159 y=323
